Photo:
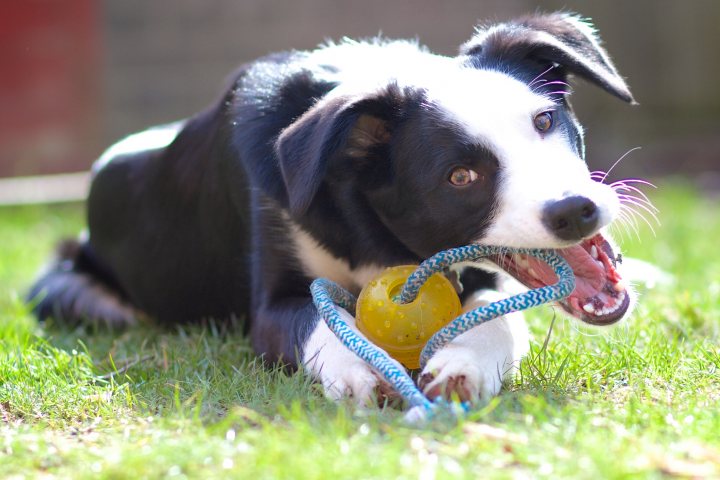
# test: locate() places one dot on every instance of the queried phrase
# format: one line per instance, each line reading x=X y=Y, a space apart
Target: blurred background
x=76 y=75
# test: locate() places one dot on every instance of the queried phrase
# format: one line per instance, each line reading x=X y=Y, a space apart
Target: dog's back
x=168 y=233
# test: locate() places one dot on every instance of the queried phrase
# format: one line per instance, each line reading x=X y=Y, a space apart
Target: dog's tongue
x=589 y=274
x=599 y=296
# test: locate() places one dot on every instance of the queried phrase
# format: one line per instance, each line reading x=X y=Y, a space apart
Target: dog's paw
x=359 y=382
x=457 y=371
x=342 y=373
x=473 y=365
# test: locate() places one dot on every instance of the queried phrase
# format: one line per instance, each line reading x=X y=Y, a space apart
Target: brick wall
x=50 y=85
x=163 y=60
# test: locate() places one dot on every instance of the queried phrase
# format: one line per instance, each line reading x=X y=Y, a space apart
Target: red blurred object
x=49 y=86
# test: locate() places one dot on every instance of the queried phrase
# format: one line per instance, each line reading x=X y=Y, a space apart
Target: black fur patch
x=553 y=39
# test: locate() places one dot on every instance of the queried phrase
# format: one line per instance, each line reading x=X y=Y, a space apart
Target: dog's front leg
x=293 y=331
x=474 y=364
x=342 y=373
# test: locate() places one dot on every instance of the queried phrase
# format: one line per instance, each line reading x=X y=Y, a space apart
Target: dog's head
x=483 y=148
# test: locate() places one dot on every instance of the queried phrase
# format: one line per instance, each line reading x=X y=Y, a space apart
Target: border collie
x=338 y=163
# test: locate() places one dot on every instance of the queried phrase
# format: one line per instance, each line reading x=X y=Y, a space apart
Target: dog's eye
x=544 y=121
x=462 y=176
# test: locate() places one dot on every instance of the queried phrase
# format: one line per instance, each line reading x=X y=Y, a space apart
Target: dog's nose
x=572 y=218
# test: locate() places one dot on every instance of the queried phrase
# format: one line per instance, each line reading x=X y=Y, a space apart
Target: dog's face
x=480 y=148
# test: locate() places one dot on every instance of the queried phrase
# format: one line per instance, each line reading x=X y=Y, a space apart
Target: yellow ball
x=402 y=330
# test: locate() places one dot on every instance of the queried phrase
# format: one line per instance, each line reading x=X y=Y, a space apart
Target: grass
x=636 y=400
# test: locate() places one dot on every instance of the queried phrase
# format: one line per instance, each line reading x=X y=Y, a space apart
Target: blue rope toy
x=327 y=294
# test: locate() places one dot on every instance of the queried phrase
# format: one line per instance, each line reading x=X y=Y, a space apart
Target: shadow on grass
x=204 y=369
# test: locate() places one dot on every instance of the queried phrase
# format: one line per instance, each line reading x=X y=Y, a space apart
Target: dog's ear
x=561 y=40
x=341 y=126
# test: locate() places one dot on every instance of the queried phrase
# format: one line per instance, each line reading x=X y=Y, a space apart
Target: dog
x=342 y=161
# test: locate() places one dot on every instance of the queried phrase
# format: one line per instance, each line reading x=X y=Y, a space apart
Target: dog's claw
x=386 y=395
x=454 y=388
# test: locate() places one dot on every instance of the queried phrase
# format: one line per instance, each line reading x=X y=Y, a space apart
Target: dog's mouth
x=599 y=298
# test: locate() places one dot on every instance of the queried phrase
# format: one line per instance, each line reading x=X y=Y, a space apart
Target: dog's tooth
x=594 y=252
x=588 y=307
x=618 y=303
x=534 y=274
x=619 y=287
x=600 y=264
x=520 y=261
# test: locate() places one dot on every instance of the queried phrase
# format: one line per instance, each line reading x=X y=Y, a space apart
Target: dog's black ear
x=563 y=40
x=335 y=127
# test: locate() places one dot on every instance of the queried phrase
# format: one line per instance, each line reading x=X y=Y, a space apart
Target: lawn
x=640 y=399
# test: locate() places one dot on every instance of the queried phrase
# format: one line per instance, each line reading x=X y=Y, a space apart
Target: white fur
x=318 y=262
x=535 y=173
x=485 y=355
x=402 y=62
x=150 y=139
x=495 y=109
x=341 y=372
x=535 y=168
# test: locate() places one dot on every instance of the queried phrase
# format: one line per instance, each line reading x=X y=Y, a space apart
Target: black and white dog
x=340 y=162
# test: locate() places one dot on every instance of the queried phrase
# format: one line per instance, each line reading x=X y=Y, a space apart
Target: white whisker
x=644 y=201
x=636 y=180
x=630 y=188
x=597 y=174
x=621 y=222
x=632 y=201
x=618 y=229
x=539 y=77
x=629 y=222
x=617 y=162
x=638 y=214
x=540 y=84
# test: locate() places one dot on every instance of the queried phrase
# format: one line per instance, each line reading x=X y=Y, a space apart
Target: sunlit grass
x=639 y=399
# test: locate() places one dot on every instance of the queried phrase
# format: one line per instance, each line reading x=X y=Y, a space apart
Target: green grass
x=636 y=400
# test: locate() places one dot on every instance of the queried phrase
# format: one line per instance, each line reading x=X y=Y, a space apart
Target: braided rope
x=326 y=295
